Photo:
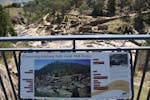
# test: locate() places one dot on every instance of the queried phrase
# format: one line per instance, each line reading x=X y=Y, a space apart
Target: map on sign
x=75 y=75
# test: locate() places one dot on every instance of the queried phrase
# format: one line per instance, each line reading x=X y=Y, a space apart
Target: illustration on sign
x=62 y=78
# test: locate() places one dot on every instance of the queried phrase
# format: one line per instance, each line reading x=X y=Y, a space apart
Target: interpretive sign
x=100 y=75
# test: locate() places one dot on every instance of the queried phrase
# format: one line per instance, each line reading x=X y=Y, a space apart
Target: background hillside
x=60 y=69
x=52 y=17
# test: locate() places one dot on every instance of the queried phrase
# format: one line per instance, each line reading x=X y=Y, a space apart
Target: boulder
x=19 y=20
x=84 y=29
x=102 y=27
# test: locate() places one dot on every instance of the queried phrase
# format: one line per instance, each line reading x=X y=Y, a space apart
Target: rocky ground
x=63 y=86
x=33 y=31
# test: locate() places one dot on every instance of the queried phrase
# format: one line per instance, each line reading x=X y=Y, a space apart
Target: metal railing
x=75 y=38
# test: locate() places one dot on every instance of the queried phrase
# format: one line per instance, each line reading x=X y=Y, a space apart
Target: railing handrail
x=77 y=37
x=77 y=49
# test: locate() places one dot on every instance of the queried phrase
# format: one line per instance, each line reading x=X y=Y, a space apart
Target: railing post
x=135 y=61
x=132 y=75
x=19 y=58
x=148 y=95
x=144 y=73
x=3 y=88
x=16 y=62
x=133 y=71
x=74 y=45
x=9 y=76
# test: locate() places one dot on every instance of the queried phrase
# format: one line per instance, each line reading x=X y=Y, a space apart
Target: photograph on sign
x=62 y=78
x=75 y=75
x=118 y=60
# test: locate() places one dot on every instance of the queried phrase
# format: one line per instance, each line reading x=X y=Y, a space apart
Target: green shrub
x=6 y=45
x=5 y=23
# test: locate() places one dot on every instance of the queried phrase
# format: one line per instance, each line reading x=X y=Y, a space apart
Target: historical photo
x=119 y=60
x=62 y=78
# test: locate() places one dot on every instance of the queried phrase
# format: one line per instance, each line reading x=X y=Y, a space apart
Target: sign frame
x=129 y=59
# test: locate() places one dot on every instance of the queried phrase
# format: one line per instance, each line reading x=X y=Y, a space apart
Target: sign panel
x=74 y=76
